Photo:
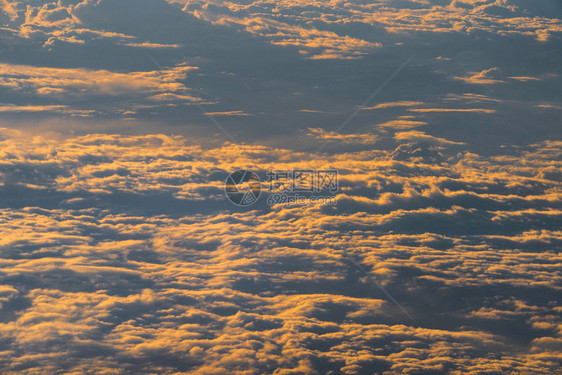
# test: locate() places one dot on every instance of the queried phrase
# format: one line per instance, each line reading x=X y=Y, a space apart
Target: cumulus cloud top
x=148 y=279
x=120 y=121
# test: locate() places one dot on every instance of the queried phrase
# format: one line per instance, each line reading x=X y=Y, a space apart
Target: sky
x=438 y=252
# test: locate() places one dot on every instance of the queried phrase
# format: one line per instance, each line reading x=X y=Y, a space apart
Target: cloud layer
x=120 y=253
x=139 y=276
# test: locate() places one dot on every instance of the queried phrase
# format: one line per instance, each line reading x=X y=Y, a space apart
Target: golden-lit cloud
x=331 y=136
x=525 y=79
x=151 y=87
x=421 y=136
x=120 y=253
x=485 y=77
x=138 y=271
x=282 y=21
x=312 y=43
x=401 y=124
x=395 y=104
x=228 y=113
x=90 y=82
x=445 y=110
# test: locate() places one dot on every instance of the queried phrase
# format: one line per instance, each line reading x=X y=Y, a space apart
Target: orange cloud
x=321 y=134
x=485 y=77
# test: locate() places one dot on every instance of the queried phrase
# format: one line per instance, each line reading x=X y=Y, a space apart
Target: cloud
x=401 y=124
x=121 y=254
x=81 y=81
x=312 y=43
x=395 y=104
x=330 y=136
x=525 y=79
x=445 y=110
x=152 y=45
x=549 y=106
x=471 y=98
x=228 y=113
x=421 y=136
x=384 y=16
x=485 y=77
x=105 y=272
x=82 y=86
